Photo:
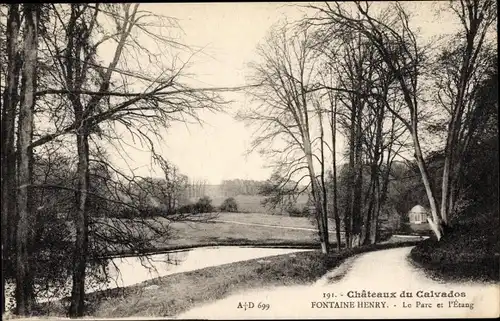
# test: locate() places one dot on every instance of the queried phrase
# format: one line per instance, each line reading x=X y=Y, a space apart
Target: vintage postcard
x=271 y=160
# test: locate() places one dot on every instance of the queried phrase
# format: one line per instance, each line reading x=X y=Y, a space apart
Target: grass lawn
x=469 y=250
x=170 y=295
x=203 y=233
x=268 y=219
x=193 y=233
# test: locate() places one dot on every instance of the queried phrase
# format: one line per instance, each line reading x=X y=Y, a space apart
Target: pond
x=134 y=270
x=127 y=271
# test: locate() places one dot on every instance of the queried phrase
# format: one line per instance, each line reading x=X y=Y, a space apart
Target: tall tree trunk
x=435 y=222
x=316 y=196
x=347 y=204
x=78 y=39
x=80 y=219
x=8 y=170
x=324 y=198
x=334 y=174
x=445 y=185
x=358 y=180
x=368 y=214
x=375 y=214
x=476 y=18
x=372 y=219
x=449 y=161
x=382 y=191
x=348 y=214
x=81 y=225
x=467 y=65
x=75 y=76
x=24 y=277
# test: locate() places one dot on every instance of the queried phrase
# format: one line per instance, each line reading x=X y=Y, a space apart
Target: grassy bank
x=279 y=231
x=469 y=250
x=201 y=232
x=173 y=294
x=269 y=219
x=310 y=245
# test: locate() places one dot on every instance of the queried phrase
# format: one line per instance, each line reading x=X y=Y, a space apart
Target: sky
x=229 y=34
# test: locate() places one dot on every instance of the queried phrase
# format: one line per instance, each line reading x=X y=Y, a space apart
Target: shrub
x=229 y=205
x=185 y=209
x=153 y=211
x=296 y=212
x=52 y=258
x=140 y=212
x=127 y=213
x=204 y=205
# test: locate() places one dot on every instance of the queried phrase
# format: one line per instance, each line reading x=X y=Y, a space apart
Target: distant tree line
x=234 y=187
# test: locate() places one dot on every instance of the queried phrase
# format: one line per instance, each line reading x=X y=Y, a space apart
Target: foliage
x=406 y=189
x=481 y=172
x=203 y=205
x=126 y=213
x=115 y=226
x=185 y=209
x=294 y=211
x=234 y=187
x=469 y=250
x=279 y=193
x=229 y=205
x=52 y=251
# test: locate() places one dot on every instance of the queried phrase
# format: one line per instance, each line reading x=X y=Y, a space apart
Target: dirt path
x=333 y=296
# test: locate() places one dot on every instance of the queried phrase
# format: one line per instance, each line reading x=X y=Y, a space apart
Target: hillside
x=469 y=250
x=246 y=203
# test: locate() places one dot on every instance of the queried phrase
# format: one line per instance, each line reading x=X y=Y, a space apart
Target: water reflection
x=128 y=271
x=135 y=270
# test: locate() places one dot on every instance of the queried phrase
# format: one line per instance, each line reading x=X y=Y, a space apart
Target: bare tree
x=397 y=45
x=462 y=72
x=324 y=195
x=197 y=187
x=96 y=110
x=351 y=63
x=360 y=81
x=333 y=127
x=327 y=51
x=286 y=76
x=81 y=96
x=280 y=193
x=9 y=107
x=173 y=186
x=24 y=280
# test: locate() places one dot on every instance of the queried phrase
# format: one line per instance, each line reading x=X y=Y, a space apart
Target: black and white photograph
x=249 y=160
